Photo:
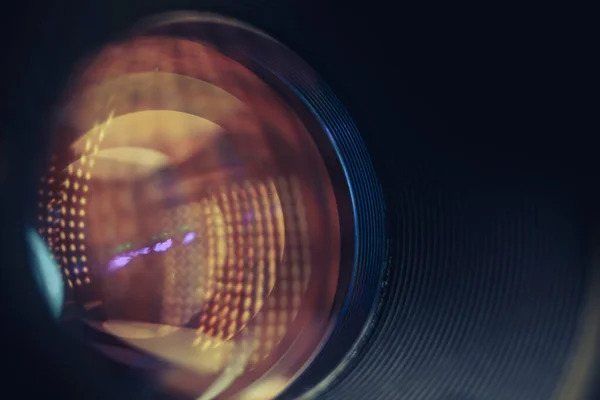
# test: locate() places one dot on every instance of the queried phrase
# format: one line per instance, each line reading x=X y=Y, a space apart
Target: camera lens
x=196 y=206
x=225 y=230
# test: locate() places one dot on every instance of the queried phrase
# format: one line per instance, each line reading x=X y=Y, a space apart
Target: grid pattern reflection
x=191 y=215
x=226 y=267
x=62 y=215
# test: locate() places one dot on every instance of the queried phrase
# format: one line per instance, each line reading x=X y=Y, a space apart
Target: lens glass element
x=192 y=217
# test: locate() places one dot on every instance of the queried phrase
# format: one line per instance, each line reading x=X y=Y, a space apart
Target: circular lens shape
x=192 y=212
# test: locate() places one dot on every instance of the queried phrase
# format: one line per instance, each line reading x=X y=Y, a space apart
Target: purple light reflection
x=164 y=246
x=122 y=260
x=188 y=237
x=119 y=262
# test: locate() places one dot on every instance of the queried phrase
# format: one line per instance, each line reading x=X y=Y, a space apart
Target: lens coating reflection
x=192 y=215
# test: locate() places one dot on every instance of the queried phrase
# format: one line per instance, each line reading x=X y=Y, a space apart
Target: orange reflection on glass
x=189 y=204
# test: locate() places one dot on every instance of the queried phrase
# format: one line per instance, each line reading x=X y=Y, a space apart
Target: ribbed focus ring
x=370 y=257
x=484 y=294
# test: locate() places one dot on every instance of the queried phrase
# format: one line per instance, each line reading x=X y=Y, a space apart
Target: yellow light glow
x=247 y=253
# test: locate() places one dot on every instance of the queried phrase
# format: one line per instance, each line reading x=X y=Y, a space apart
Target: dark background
x=487 y=95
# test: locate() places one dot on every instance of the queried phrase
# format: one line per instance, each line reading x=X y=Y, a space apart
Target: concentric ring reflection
x=191 y=215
